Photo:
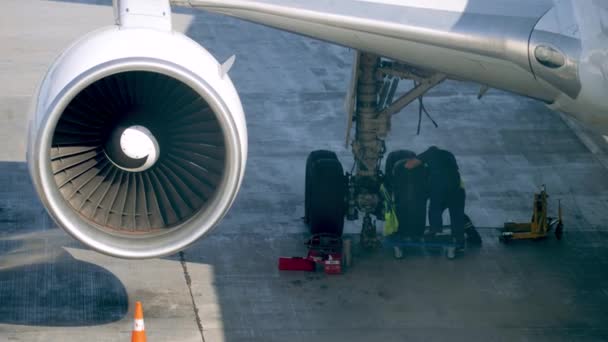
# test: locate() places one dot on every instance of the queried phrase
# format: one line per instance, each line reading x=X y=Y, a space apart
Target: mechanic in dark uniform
x=445 y=191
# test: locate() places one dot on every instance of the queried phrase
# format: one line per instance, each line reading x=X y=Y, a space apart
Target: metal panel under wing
x=476 y=40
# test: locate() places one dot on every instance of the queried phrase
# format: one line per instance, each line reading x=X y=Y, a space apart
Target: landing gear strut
x=370 y=107
x=368 y=144
x=369 y=240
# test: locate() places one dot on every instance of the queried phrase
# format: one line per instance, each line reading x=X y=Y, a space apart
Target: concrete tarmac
x=227 y=287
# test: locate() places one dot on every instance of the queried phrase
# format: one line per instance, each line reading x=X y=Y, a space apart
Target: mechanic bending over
x=445 y=191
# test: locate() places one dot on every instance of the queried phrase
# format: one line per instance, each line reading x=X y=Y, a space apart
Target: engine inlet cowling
x=105 y=185
x=137 y=150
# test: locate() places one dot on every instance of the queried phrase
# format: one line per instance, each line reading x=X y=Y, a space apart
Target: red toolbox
x=323 y=249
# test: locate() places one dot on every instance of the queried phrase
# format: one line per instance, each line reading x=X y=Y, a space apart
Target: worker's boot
x=455 y=249
x=451 y=252
x=397 y=252
x=473 y=237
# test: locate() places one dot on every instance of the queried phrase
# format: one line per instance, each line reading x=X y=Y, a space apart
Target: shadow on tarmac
x=41 y=283
x=60 y=292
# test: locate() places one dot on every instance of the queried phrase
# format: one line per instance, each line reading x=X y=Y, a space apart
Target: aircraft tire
x=327 y=189
x=312 y=158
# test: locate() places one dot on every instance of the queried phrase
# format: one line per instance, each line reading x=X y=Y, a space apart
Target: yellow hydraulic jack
x=540 y=225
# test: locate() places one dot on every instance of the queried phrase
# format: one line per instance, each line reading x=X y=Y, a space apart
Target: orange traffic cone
x=139 y=329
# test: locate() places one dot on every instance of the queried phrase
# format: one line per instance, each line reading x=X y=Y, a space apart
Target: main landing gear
x=331 y=195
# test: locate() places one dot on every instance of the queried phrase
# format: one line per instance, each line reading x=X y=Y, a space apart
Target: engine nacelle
x=137 y=142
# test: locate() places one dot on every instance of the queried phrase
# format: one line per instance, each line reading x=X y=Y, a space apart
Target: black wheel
x=559 y=231
x=391 y=160
x=313 y=157
x=326 y=192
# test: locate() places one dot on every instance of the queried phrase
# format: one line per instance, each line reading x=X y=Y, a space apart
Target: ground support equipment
x=440 y=241
x=540 y=225
x=323 y=249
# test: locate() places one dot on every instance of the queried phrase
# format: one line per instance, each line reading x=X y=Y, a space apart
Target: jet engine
x=137 y=143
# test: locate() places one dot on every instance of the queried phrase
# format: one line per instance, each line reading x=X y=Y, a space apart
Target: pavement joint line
x=182 y=260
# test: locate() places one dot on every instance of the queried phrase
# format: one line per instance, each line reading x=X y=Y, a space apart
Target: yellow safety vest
x=391 y=223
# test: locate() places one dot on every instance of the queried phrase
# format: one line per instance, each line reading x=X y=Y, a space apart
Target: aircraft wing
x=461 y=38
